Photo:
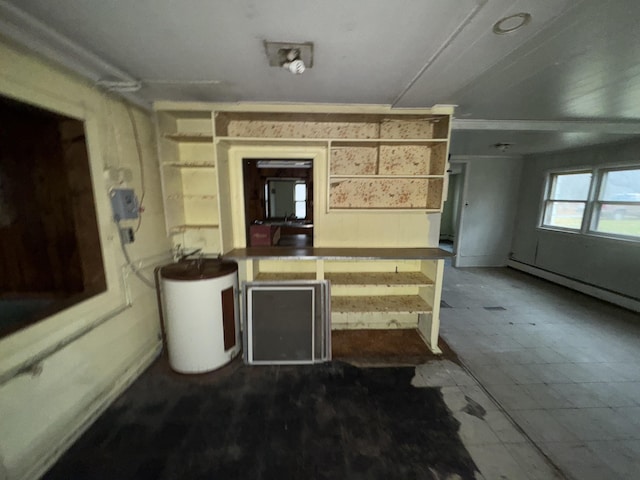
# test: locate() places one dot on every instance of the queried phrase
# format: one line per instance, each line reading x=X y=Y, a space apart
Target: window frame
x=547 y=201
x=593 y=204
x=303 y=202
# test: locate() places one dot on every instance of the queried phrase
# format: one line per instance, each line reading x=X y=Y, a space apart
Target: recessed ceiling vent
x=295 y=57
x=511 y=23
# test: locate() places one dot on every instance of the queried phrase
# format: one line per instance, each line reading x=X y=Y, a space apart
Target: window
x=617 y=210
x=300 y=198
x=598 y=202
x=566 y=200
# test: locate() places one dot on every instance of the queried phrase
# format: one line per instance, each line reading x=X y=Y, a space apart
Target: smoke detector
x=295 y=57
x=511 y=23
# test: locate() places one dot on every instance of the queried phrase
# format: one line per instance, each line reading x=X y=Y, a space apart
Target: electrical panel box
x=124 y=204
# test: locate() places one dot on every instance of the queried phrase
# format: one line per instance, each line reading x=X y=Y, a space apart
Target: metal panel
x=287 y=322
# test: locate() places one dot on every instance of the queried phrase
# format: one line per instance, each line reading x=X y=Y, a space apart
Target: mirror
x=286 y=199
x=279 y=194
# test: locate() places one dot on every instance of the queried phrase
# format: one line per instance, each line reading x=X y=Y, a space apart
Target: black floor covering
x=331 y=421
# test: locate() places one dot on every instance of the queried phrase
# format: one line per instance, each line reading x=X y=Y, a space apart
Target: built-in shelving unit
x=189 y=179
x=366 y=292
x=376 y=161
x=376 y=172
x=378 y=294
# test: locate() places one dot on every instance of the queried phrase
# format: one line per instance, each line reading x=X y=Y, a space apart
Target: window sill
x=593 y=235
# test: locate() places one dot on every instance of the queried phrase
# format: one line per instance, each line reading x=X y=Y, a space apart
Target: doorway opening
x=452 y=211
x=278 y=199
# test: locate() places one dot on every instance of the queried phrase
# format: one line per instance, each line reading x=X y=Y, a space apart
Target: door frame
x=462 y=203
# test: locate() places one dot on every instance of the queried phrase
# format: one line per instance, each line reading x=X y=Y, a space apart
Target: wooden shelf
x=200 y=226
x=342 y=143
x=282 y=276
x=189 y=165
x=190 y=137
x=333 y=253
x=374 y=142
x=381 y=177
x=337 y=125
x=188 y=196
x=282 y=141
x=369 y=279
x=411 y=193
x=379 y=304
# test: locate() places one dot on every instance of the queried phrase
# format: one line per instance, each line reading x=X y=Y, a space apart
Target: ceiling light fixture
x=294 y=64
x=511 y=23
x=295 y=57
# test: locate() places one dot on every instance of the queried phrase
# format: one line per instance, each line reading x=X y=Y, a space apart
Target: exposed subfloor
x=384 y=347
x=333 y=421
x=565 y=366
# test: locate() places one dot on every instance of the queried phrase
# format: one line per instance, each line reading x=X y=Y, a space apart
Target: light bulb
x=297 y=66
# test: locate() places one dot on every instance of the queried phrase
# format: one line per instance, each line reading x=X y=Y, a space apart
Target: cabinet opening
x=278 y=198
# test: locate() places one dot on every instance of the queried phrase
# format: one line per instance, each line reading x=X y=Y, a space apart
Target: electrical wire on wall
x=136 y=137
x=119 y=87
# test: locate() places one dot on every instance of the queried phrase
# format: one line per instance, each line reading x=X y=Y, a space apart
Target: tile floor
x=495 y=443
x=564 y=366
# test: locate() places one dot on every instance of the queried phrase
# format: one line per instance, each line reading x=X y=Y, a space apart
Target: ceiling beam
x=588 y=126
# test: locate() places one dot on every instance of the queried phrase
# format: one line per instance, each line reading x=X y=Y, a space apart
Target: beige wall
x=109 y=338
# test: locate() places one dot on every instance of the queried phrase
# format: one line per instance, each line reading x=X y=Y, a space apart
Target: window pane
x=564 y=214
x=619 y=219
x=301 y=209
x=621 y=186
x=571 y=186
x=300 y=192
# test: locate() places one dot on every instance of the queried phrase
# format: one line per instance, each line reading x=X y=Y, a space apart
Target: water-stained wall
x=58 y=374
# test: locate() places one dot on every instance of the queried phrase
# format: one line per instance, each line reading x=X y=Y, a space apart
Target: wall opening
x=278 y=202
x=50 y=254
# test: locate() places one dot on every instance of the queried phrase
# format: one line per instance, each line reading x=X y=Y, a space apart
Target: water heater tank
x=201 y=320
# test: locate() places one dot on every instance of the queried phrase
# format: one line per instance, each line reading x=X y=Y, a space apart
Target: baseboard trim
x=591 y=290
x=92 y=412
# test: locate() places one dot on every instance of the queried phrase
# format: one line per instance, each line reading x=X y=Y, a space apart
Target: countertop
x=336 y=253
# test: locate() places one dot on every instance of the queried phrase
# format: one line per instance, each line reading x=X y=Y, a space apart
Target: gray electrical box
x=124 y=203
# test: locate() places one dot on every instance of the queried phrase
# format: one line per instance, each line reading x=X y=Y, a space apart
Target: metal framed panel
x=287 y=322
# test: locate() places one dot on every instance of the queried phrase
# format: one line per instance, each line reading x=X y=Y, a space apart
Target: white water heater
x=201 y=318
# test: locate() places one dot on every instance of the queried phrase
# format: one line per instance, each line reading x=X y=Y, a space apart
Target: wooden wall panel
x=406 y=129
x=76 y=160
x=24 y=261
x=360 y=160
x=404 y=160
x=378 y=193
x=295 y=129
x=49 y=241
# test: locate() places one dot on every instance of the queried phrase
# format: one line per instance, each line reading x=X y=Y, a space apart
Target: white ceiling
x=574 y=68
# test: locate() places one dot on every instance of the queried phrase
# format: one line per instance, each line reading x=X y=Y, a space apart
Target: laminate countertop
x=336 y=253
